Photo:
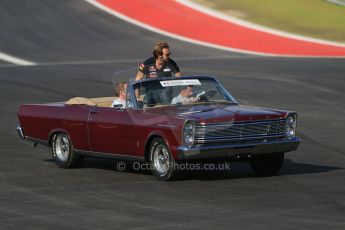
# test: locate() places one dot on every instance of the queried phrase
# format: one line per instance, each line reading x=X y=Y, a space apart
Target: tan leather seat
x=98 y=101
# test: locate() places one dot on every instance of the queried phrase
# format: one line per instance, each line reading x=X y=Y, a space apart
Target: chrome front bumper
x=237 y=150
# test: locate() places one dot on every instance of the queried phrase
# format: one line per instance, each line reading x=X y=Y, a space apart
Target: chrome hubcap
x=161 y=159
x=62 y=147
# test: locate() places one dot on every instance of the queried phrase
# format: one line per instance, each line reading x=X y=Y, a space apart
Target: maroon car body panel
x=40 y=121
x=100 y=129
x=207 y=114
x=127 y=131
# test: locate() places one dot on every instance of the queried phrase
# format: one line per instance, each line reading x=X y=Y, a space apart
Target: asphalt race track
x=77 y=49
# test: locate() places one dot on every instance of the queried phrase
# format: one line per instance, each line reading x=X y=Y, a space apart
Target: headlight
x=290 y=125
x=290 y=120
x=289 y=132
x=188 y=132
x=188 y=127
x=188 y=139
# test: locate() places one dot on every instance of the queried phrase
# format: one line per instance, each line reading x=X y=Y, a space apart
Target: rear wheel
x=161 y=161
x=63 y=151
x=267 y=164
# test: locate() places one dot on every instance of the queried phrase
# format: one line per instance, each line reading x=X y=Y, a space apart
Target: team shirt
x=148 y=68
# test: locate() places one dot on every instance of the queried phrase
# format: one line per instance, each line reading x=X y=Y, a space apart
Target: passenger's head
x=161 y=52
x=121 y=89
x=186 y=91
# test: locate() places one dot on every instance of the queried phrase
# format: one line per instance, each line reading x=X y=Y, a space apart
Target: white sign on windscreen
x=180 y=82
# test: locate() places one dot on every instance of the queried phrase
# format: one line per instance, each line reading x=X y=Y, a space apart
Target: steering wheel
x=205 y=96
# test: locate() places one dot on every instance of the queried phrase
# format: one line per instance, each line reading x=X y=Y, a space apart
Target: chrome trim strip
x=239 y=123
x=167 y=126
x=242 y=138
x=110 y=155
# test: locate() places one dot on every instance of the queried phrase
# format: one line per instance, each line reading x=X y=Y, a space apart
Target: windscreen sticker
x=180 y=82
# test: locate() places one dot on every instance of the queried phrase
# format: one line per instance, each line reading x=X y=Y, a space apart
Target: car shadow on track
x=237 y=170
x=241 y=170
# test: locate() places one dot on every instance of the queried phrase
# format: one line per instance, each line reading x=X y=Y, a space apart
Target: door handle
x=93 y=111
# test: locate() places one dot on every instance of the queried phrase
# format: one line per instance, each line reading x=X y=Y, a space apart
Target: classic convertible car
x=165 y=121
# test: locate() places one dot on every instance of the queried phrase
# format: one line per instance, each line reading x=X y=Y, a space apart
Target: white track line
x=15 y=60
x=254 y=26
x=129 y=61
x=185 y=39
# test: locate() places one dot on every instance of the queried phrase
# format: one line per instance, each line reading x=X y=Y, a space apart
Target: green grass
x=314 y=18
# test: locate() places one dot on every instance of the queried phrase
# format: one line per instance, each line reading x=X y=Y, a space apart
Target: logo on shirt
x=152 y=71
x=152 y=74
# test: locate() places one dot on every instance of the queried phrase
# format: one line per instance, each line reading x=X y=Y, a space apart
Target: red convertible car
x=165 y=121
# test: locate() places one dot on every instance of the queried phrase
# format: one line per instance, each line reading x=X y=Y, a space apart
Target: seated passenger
x=185 y=96
x=121 y=92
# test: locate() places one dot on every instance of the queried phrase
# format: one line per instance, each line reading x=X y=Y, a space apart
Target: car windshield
x=180 y=91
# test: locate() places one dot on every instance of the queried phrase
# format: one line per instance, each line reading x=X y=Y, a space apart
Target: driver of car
x=185 y=96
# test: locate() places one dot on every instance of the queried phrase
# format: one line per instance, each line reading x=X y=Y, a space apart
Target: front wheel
x=267 y=164
x=161 y=160
x=63 y=151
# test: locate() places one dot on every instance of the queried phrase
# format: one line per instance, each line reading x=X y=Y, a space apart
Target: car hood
x=218 y=113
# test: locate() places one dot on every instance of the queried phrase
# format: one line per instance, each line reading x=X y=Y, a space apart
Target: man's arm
x=178 y=74
x=176 y=68
x=174 y=101
x=139 y=76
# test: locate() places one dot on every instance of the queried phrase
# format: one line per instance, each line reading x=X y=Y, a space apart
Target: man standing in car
x=160 y=65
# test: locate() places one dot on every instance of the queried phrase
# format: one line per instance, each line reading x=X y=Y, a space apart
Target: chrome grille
x=239 y=131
